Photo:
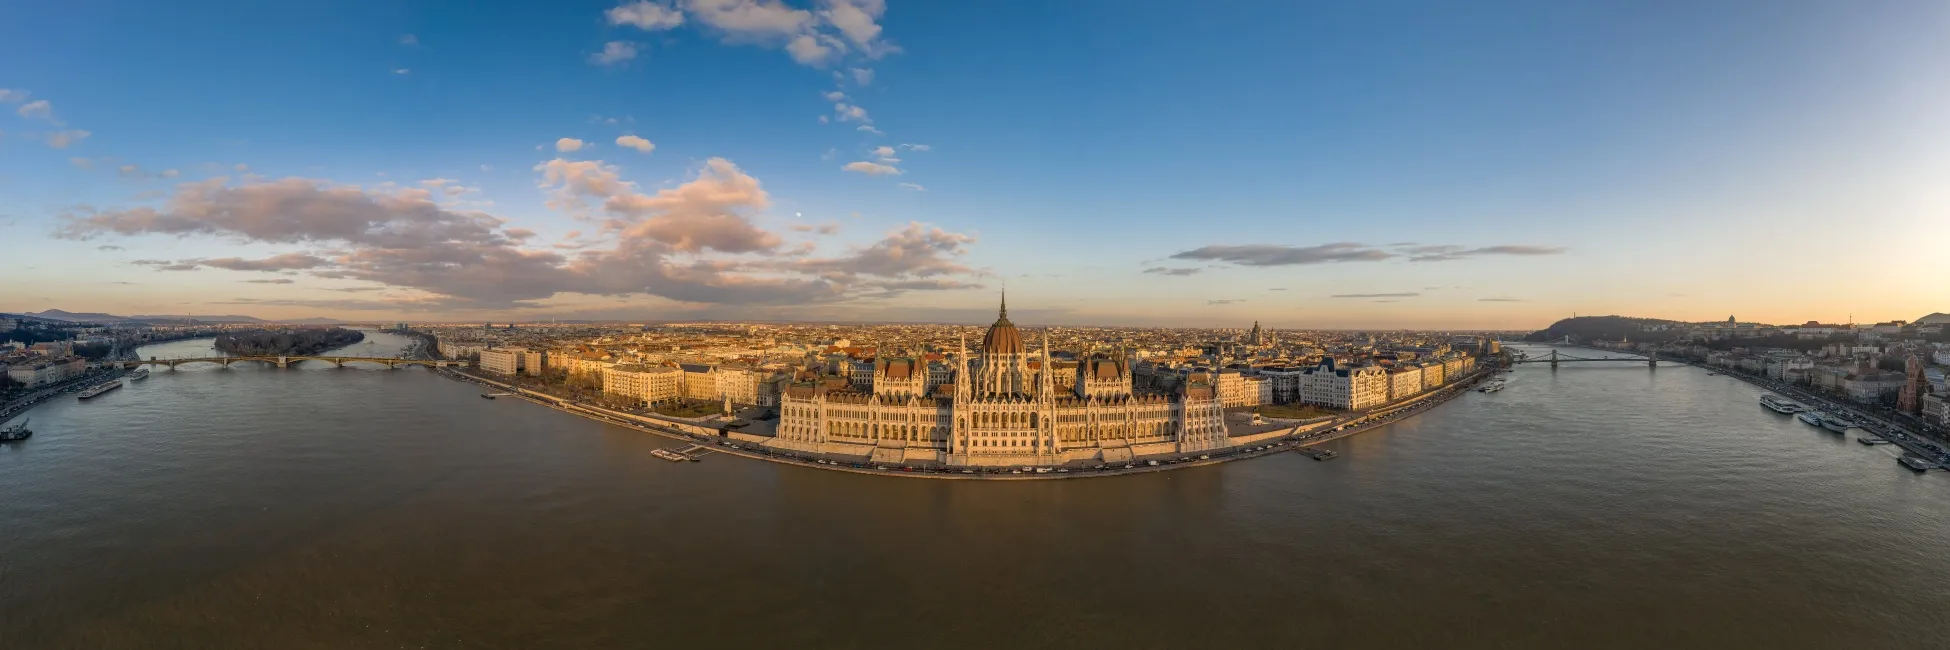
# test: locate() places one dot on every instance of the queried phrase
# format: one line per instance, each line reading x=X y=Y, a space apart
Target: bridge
x=286 y=361
x=1651 y=361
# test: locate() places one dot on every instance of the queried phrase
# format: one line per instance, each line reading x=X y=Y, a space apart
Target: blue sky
x=1301 y=164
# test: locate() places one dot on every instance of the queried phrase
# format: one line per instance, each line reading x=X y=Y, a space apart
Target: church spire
x=1005 y=303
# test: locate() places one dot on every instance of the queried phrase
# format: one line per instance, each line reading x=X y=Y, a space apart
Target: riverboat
x=1492 y=386
x=1318 y=454
x=671 y=456
x=140 y=374
x=1836 y=423
x=1917 y=464
x=1782 y=405
x=100 y=388
x=1872 y=440
x=16 y=432
x=1813 y=418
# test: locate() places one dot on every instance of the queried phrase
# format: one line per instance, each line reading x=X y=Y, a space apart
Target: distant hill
x=205 y=319
x=56 y=314
x=1938 y=318
x=1602 y=328
x=312 y=321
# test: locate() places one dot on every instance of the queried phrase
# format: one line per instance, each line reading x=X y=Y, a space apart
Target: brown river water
x=317 y=507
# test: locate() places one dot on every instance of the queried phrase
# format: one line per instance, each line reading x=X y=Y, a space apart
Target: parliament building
x=1003 y=409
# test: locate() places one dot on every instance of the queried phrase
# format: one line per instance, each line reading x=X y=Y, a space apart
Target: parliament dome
x=1002 y=337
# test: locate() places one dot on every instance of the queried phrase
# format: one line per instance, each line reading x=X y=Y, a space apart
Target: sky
x=1379 y=164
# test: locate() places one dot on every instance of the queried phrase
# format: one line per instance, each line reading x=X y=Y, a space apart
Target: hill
x=202 y=319
x=1603 y=328
x=56 y=314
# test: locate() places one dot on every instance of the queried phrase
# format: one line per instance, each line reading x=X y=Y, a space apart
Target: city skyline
x=862 y=161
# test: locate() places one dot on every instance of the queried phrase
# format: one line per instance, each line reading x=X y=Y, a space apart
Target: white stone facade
x=1000 y=412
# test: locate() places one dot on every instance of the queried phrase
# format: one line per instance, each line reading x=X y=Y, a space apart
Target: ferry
x=1811 y=417
x=100 y=388
x=1318 y=454
x=1872 y=440
x=15 y=432
x=140 y=374
x=1492 y=386
x=1836 y=424
x=1782 y=405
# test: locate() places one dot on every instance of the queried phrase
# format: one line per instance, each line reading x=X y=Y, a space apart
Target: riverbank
x=1351 y=425
x=20 y=406
x=1913 y=441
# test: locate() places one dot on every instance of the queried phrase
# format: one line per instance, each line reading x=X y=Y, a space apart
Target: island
x=295 y=342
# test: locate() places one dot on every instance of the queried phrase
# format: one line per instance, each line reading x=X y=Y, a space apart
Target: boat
x=100 y=388
x=15 y=432
x=1836 y=424
x=674 y=457
x=486 y=396
x=1917 y=464
x=1872 y=440
x=140 y=374
x=1811 y=417
x=1781 y=404
x=1492 y=386
x=1319 y=454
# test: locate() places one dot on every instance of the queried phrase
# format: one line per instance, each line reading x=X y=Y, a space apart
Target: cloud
x=1499 y=300
x=692 y=243
x=402 y=71
x=11 y=96
x=872 y=168
x=833 y=96
x=566 y=145
x=868 y=128
x=1162 y=270
x=913 y=186
x=858 y=21
x=614 y=52
x=409 y=39
x=1444 y=253
x=915 y=250
x=917 y=147
x=647 y=16
x=1375 y=295
x=61 y=139
x=271 y=281
x=862 y=76
x=38 y=109
x=849 y=113
x=1280 y=255
x=824 y=228
x=884 y=153
x=109 y=247
x=1224 y=301
x=751 y=19
x=285 y=262
x=637 y=143
x=810 y=50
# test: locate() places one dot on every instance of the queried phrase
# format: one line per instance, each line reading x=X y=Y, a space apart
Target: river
x=318 y=507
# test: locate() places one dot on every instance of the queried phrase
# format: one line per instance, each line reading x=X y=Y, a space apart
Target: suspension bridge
x=1556 y=358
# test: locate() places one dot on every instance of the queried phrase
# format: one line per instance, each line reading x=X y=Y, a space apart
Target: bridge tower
x=1553 y=359
x=283 y=361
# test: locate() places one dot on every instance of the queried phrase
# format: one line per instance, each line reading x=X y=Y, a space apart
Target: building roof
x=1002 y=337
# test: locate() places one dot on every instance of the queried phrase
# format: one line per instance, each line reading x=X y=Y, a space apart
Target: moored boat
x=100 y=388
x=142 y=373
x=1782 y=405
x=15 y=432
x=1917 y=464
x=1811 y=417
x=1836 y=423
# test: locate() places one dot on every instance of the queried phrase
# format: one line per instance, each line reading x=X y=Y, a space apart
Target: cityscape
x=1015 y=323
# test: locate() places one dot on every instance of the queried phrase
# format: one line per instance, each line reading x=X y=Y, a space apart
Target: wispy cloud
x=1225 y=301
x=271 y=281
x=1409 y=294
x=1165 y=270
x=1286 y=255
x=872 y=168
x=1499 y=300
